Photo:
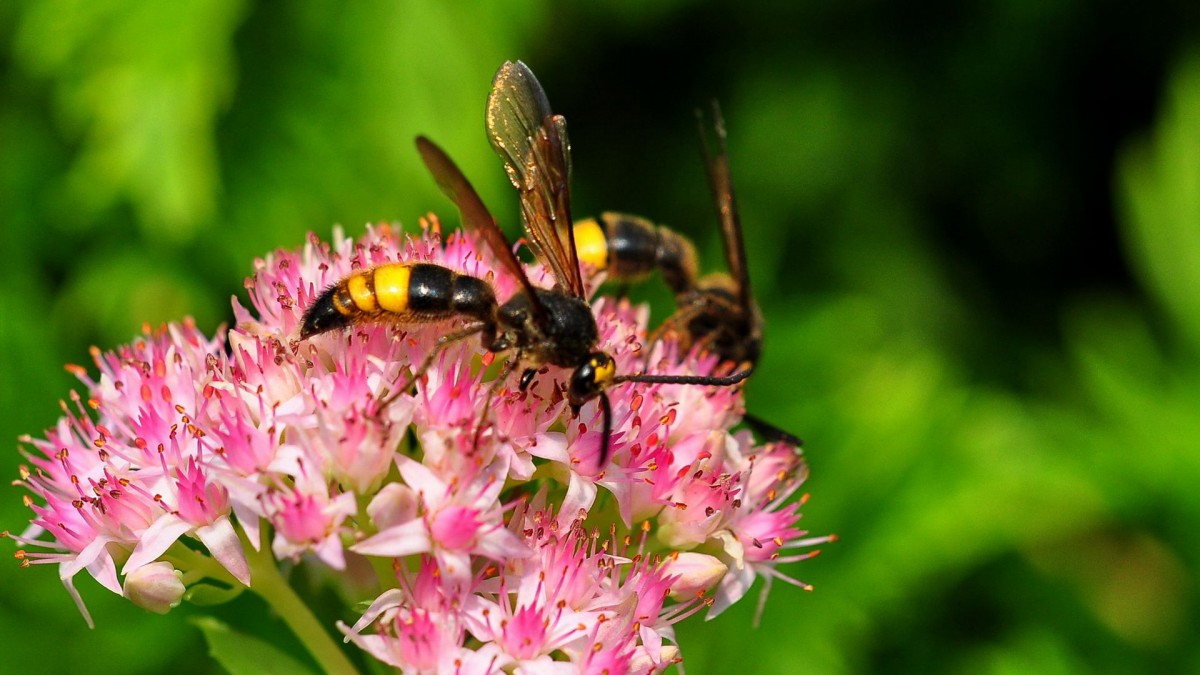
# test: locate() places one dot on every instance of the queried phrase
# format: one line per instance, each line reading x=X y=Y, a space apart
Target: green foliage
x=1160 y=182
x=242 y=654
x=140 y=85
x=943 y=204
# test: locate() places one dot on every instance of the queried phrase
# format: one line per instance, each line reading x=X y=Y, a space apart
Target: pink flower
x=202 y=509
x=310 y=521
x=513 y=547
x=418 y=629
x=763 y=525
x=457 y=519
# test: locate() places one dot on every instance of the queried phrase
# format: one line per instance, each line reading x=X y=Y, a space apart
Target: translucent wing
x=721 y=185
x=475 y=214
x=533 y=143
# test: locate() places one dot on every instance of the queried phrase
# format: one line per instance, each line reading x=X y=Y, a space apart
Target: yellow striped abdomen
x=404 y=293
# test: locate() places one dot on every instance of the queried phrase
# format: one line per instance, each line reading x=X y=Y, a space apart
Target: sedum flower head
x=189 y=458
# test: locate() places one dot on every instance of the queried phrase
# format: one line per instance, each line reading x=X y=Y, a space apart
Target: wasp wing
x=536 y=151
x=721 y=186
x=475 y=214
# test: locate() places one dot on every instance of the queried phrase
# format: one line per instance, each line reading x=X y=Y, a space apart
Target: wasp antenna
x=708 y=380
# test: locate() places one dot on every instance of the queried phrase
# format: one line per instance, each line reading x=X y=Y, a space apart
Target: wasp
x=717 y=311
x=539 y=326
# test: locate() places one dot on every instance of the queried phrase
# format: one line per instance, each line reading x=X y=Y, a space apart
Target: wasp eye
x=583 y=386
x=591 y=378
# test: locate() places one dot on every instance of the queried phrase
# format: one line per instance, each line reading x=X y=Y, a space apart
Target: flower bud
x=157 y=587
x=393 y=505
x=697 y=572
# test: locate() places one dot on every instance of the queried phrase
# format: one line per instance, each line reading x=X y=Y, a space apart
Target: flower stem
x=270 y=585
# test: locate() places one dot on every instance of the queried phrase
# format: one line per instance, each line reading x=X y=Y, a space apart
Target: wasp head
x=591 y=378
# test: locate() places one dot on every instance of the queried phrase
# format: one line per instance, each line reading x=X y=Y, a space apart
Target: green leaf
x=1160 y=190
x=240 y=653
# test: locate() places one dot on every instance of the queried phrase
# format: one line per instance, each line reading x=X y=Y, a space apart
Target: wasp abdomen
x=630 y=247
x=473 y=297
x=676 y=257
x=404 y=293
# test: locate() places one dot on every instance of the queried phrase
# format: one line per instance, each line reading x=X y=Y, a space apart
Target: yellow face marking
x=360 y=293
x=605 y=369
x=591 y=243
x=391 y=287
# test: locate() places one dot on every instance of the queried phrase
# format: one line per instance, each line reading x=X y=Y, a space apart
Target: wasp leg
x=674 y=323
x=442 y=343
x=487 y=402
x=771 y=433
x=527 y=377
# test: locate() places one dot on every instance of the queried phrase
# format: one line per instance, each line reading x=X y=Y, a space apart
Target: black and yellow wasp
x=539 y=326
x=716 y=312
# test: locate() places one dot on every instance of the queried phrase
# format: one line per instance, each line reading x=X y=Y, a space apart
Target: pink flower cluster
x=510 y=547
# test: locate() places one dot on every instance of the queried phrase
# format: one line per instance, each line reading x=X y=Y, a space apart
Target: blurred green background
x=974 y=229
